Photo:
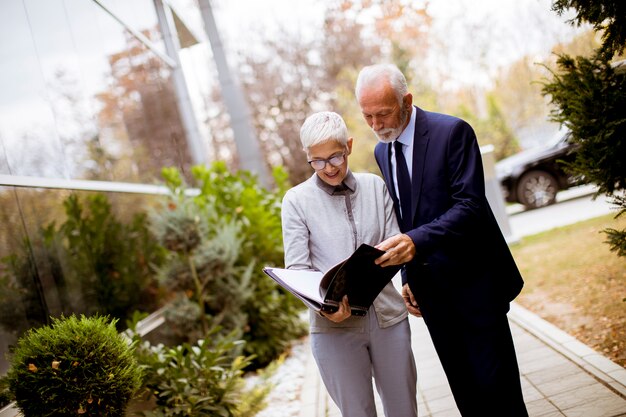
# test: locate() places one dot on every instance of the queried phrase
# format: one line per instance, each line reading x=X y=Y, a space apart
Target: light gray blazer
x=322 y=226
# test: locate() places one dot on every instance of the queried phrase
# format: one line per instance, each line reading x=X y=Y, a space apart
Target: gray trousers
x=348 y=361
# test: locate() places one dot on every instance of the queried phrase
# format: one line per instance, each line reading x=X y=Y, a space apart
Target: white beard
x=388 y=135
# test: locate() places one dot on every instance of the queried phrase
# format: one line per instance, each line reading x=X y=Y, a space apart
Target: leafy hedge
x=201 y=379
x=218 y=241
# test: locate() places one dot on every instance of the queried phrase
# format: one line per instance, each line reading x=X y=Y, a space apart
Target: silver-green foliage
x=218 y=240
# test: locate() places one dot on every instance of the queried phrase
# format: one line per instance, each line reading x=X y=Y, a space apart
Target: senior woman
x=324 y=220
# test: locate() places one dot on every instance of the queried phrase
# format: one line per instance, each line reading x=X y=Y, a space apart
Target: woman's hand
x=342 y=313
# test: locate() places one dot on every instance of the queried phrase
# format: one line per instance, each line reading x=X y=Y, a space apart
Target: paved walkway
x=560 y=375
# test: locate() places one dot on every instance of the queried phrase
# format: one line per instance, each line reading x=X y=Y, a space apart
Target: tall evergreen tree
x=606 y=16
x=589 y=95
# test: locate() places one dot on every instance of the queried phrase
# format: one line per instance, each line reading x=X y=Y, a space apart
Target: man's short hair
x=375 y=73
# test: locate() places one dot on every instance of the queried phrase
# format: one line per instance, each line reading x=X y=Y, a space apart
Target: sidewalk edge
x=603 y=369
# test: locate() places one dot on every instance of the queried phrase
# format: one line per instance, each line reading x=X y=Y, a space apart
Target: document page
x=304 y=282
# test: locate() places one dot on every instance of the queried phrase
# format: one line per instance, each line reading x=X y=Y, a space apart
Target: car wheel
x=537 y=189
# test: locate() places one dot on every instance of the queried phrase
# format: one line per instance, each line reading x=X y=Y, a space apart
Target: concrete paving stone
x=549 y=414
x=537 y=352
x=422 y=411
x=333 y=413
x=565 y=384
x=431 y=380
x=597 y=408
x=547 y=370
x=425 y=360
x=585 y=395
x=420 y=396
x=529 y=391
x=435 y=392
x=442 y=404
x=540 y=407
x=447 y=413
x=428 y=366
x=525 y=341
x=544 y=358
x=430 y=375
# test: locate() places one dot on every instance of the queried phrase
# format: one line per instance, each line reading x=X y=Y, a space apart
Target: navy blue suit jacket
x=463 y=263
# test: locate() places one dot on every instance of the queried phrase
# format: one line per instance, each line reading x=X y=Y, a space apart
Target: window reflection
x=68 y=252
x=21 y=302
x=82 y=98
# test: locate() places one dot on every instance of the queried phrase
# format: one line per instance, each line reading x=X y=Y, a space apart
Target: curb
x=603 y=369
x=313 y=396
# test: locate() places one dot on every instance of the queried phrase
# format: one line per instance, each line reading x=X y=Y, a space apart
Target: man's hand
x=340 y=315
x=399 y=249
x=410 y=302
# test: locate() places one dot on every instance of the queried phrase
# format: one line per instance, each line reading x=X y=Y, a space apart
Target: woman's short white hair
x=376 y=73
x=322 y=127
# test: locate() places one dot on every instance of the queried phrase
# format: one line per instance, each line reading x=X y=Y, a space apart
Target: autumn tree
x=139 y=111
x=589 y=98
x=389 y=31
x=289 y=76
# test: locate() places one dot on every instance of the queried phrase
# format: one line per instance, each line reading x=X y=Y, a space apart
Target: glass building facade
x=87 y=96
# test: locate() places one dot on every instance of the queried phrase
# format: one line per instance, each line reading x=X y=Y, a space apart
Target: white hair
x=380 y=72
x=322 y=127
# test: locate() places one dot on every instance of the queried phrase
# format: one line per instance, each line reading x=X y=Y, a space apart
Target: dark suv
x=533 y=177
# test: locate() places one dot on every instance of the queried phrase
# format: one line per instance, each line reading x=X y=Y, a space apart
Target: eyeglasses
x=335 y=160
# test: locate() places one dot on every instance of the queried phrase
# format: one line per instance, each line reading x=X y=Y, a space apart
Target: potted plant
x=75 y=366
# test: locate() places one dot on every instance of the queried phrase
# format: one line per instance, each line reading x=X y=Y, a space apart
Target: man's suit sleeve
x=453 y=192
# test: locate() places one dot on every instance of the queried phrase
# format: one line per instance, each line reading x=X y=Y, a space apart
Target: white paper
x=304 y=282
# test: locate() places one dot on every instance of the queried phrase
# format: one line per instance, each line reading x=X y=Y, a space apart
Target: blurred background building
x=94 y=103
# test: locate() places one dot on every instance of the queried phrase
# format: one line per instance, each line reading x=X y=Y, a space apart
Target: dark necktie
x=404 y=188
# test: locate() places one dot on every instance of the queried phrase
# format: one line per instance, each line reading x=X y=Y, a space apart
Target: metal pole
x=138 y=35
x=248 y=148
x=183 y=101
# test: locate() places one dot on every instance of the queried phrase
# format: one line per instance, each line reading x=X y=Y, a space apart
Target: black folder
x=358 y=277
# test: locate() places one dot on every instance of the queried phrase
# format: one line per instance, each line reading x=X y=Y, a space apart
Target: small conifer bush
x=74 y=367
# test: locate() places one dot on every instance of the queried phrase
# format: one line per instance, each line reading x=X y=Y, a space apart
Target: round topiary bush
x=76 y=366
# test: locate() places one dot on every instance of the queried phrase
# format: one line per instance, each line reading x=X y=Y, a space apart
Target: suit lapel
x=383 y=154
x=420 y=144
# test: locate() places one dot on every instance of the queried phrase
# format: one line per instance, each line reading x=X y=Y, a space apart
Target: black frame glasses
x=335 y=160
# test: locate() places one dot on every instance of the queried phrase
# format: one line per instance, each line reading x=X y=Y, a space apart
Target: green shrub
x=202 y=272
x=201 y=379
x=239 y=229
x=75 y=366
